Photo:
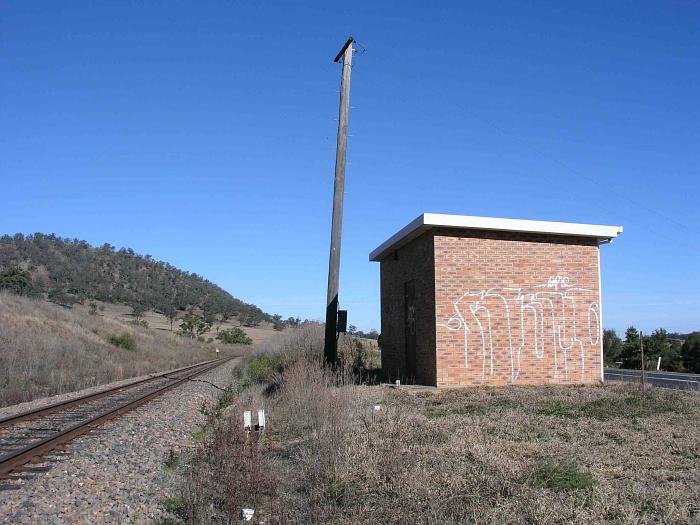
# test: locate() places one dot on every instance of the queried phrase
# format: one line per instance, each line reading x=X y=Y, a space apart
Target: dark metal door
x=409 y=295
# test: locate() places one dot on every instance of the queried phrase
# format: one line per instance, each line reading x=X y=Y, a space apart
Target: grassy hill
x=66 y=271
x=111 y=314
x=47 y=349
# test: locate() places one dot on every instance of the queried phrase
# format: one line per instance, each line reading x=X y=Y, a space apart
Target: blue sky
x=203 y=133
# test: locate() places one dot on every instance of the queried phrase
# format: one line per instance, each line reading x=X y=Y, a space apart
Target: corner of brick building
x=413 y=261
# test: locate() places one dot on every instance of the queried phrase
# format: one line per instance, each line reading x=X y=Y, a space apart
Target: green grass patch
x=605 y=409
x=559 y=409
x=335 y=491
x=199 y=436
x=468 y=410
x=174 y=506
x=627 y=407
x=437 y=411
x=560 y=477
x=434 y=412
x=125 y=341
x=505 y=404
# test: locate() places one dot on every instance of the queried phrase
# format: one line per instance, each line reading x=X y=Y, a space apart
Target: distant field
x=46 y=349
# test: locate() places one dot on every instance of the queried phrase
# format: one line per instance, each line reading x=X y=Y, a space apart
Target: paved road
x=662 y=379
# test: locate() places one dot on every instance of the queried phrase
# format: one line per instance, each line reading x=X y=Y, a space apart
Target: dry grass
x=46 y=349
x=481 y=455
x=123 y=313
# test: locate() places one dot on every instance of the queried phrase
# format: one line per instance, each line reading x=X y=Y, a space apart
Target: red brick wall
x=413 y=261
x=515 y=308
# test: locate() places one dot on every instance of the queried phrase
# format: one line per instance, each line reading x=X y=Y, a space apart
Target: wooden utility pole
x=330 y=350
x=641 y=349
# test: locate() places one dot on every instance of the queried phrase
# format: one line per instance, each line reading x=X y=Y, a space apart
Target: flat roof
x=427 y=221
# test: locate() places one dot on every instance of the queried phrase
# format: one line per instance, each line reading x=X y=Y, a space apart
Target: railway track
x=31 y=435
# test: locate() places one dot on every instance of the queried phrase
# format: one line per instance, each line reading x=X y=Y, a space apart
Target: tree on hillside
x=137 y=311
x=234 y=336
x=612 y=348
x=293 y=322
x=193 y=326
x=70 y=270
x=691 y=353
x=249 y=320
x=223 y=317
x=40 y=279
x=277 y=322
x=61 y=298
x=209 y=317
x=16 y=280
x=171 y=313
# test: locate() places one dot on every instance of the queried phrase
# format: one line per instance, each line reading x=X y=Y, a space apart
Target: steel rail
x=49 y=409
x=15 y=460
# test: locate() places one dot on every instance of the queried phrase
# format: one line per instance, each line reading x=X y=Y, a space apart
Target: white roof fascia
x=427 y=221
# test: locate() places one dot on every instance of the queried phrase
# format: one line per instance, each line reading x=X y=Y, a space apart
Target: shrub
x=225 y=399
x=228 y=470
x=16 y=280
x=125 y=341
x=263 y=368
x=234 y=336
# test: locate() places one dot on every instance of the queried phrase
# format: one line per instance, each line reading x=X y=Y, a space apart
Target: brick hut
x=479 y=300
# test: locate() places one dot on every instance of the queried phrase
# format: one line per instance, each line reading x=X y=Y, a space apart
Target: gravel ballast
x=116 y=473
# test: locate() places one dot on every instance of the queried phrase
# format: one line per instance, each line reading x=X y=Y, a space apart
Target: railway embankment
x=116 y=473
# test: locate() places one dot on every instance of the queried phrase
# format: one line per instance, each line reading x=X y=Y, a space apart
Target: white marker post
x=261 y=420
x=247 y=420
x=375 y=411
x=658 y=364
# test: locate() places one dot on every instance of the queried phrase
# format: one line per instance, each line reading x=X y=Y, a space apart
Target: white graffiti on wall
x=548 y=319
